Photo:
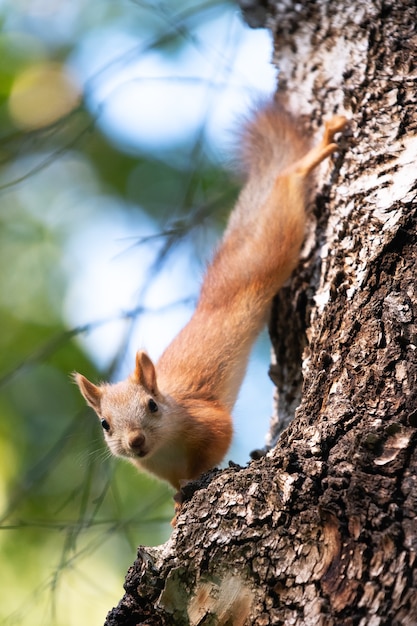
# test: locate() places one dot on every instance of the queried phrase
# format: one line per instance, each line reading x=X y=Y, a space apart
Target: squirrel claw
x=333 y=126
x=325 y=148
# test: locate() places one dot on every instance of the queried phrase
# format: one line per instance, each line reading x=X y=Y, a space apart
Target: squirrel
x=173 y=419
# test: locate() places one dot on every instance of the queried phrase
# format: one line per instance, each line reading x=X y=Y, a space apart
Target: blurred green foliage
x=71 y=518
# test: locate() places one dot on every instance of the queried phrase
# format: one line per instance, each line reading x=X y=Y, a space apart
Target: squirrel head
x=131 y=412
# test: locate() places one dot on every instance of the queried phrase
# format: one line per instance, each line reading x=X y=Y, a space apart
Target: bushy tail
x=272 y=139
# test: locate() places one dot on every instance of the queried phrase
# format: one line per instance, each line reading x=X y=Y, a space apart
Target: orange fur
x=174 y=420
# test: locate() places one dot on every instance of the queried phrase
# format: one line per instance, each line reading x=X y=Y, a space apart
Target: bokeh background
x=116 y=126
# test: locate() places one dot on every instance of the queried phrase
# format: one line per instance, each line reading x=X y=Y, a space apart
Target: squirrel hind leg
x=324 y=149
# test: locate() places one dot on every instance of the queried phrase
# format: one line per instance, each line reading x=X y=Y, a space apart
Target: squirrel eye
x=152 y=406
x=105 y=424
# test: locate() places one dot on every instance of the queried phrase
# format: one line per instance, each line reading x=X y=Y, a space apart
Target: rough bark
x=322 y=530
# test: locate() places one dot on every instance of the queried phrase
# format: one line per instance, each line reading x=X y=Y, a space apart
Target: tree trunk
x=323 y=529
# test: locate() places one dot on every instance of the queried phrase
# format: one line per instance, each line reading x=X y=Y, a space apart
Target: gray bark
x=322 y=530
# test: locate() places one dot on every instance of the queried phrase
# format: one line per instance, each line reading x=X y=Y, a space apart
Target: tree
x=321 y=530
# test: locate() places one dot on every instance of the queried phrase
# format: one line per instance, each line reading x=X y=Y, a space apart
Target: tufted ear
x=91 y=393
x=145 y=373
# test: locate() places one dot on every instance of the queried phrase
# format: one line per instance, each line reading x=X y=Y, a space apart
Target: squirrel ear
x=145 y=373
x=91 y=393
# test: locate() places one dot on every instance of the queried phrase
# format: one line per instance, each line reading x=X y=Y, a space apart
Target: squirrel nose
x=136 y=441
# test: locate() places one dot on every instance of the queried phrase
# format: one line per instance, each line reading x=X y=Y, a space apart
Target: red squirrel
x=173 y=419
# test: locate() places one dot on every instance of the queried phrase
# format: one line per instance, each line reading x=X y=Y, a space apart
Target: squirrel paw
x=322 y=150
